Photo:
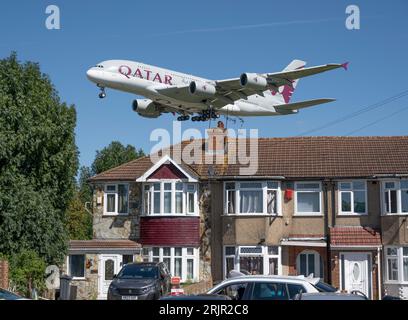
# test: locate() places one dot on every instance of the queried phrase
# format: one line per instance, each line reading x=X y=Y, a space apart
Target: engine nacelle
x=253 y=81
x=146 y=108
x=202 y=89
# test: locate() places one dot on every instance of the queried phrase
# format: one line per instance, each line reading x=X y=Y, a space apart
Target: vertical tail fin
x=286 y=91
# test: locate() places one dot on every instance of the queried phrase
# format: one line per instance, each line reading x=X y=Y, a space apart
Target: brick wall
x=4 y=274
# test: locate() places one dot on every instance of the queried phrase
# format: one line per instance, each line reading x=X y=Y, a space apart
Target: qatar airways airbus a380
x=252 y=94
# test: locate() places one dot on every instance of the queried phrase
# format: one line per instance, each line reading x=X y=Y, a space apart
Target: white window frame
x=264 y=189
x=317 y=259
x=351 y=191
x=68 y=264
x=400 y=264
x=264 y=254
x=116 y=193
x=184 y=256
x=185 y=192
x=398 y=188
x=319 y=213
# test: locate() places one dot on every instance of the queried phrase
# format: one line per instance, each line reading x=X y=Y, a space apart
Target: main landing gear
x=206 y=115
x=102 y=94
x=183 y=118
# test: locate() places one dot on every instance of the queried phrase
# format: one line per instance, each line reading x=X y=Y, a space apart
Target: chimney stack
x=217 y=139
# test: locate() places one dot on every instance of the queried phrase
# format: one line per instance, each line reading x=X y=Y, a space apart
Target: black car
x=140 y=281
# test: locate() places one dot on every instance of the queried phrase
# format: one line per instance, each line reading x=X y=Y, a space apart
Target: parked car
x=8 y=295
x=320 y=285
x=330 y=296
x=197 y=297
x=140 y=281
x=387 y=297
x=255 y=287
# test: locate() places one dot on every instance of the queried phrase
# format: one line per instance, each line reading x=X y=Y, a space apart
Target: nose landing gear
x=102 y=94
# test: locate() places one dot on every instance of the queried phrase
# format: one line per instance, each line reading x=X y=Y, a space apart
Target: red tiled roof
x=296 y=157
x=354 y=236
x=103 y=244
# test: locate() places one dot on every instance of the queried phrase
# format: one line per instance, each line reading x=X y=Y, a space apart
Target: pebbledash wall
x=87 y=288
x=117 y=226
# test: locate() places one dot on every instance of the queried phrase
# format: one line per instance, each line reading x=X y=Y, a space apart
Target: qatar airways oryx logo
x=145 y=74
x=219 y=146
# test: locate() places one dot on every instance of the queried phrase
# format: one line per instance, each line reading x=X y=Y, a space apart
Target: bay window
x=262 y=260
x=260 y=197
x=116 y=199
x=352 y=197
x=181 y=262
x=308 y=198
x=170 y=198
x=395 y=197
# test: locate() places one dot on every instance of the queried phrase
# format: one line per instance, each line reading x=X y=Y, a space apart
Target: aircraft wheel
x=102 y=95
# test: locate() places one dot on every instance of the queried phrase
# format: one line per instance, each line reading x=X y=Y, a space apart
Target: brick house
x=334 y=207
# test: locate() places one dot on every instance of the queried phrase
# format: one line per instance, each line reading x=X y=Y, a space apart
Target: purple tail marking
x=345 y=65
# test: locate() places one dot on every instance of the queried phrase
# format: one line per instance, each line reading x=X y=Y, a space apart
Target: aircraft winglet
x=345 y=65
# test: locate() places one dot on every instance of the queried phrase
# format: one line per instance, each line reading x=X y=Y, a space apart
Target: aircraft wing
x=275 y=79
x=289 y=107
x=231 y=90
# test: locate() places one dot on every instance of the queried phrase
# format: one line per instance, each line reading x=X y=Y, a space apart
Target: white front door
x=356 y=274
x=109 y=265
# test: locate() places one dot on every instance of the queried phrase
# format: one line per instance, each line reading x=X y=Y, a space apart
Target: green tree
x=27 y=271
x=79 y=220
x=84 y=188
x=38 y=161
x=114 y=155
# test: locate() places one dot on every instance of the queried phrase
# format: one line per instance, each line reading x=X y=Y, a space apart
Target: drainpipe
x=379 y=272
x=333 y=217
x=327 y=233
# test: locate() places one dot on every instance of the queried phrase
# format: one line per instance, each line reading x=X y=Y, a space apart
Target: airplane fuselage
x=145 y=80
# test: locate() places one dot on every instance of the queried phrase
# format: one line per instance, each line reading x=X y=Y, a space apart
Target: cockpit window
x=99 y=66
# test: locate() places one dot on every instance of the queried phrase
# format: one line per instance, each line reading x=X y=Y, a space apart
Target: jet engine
x=146 y=108
x=253 y=81
x=202 y=89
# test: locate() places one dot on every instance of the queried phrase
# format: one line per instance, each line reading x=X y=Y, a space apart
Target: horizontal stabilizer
x=301 y=104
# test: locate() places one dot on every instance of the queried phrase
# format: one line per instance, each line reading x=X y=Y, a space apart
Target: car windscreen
x=324 y=287
x=138 y=271
x=6 y=295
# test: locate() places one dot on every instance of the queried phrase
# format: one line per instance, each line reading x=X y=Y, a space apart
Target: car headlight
x=113 y=289
x=148 y=289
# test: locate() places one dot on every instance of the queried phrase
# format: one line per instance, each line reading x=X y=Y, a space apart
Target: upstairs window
x=116 y=199
x=395 y=197
x=170 y=198
x=352 y=197
x=259 y=197
x=308 y=198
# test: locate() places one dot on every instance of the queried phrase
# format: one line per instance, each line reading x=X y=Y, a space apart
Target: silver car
x=255 y=287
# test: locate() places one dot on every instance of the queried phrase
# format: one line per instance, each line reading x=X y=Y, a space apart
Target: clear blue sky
x=217 y=39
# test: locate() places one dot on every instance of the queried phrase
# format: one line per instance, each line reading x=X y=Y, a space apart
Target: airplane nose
x=92 y=74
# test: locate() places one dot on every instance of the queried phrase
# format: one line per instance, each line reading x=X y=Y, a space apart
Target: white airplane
x=252 y=94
